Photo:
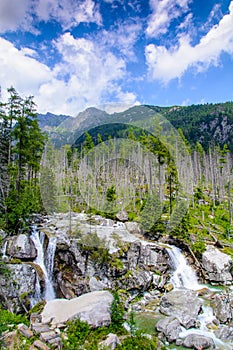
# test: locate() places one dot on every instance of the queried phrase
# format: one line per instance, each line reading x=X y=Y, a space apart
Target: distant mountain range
x=203 y=123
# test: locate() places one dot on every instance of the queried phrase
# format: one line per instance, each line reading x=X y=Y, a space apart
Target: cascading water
x=183 y=276
x=205 y=318
x=4 y=256
x=46 y=264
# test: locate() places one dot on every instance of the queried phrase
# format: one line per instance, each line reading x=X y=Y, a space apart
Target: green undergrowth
x=9 y=321
x=81 y=336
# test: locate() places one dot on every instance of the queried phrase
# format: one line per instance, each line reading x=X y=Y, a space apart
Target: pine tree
x=21 y=144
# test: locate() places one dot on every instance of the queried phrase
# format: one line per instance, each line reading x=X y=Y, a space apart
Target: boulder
x=38 y=344
x=225 y=333
x=170 y=327
x=197 y=341
x=122 y=216
x=217 y=265
x=184 y=304
x=223 y=307
x=111 y=342
x=25 y=331
x=93 y=308
x=133 y=227
x=135 y=280
x=21 y=247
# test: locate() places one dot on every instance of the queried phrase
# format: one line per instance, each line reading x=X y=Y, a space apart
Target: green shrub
x=8 y=318
x=138 y=342
x=198 y=248
x=77 y=332
x=117 y=313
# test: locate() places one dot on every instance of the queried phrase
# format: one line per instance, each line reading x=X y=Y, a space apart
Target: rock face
x=131 y=264
x=17 y=288
x=93 y=308
x=217 y=265
x=21 y=247
x=183 y=304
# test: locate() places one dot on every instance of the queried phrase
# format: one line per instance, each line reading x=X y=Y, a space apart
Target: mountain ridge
x=205 y=123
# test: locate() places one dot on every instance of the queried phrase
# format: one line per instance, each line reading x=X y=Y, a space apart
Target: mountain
x=206 y=123
x=50 y=120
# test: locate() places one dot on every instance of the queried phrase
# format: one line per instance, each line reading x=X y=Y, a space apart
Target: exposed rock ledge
x=93 y=308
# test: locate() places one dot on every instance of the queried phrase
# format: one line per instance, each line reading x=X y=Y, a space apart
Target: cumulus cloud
x=163 y=12
x=87 y=75
x=15 y=14
x=69 y=13
x=166 y=64
x=20 y=69
x=24 y=14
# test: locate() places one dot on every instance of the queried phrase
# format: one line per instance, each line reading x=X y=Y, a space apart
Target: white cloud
x=122 y=37
x=166 y=64
x=18 y=69
x=88 y=75
x=163 y=12
x=15 y=14
x=69 y=13
x=23 y=14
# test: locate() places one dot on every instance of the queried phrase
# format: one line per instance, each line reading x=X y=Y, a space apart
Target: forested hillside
x=36 y=176
x=206 y=124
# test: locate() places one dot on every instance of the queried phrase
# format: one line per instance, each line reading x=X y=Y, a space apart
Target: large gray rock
x=122 y=216
x=197 y=341
x=93 y=308
x=184 y=304
x=133 y=227
x=136 y=280
x=21 y=247
x=217 y=265
x=223 y=307
x=111 y=342
x=170 y=327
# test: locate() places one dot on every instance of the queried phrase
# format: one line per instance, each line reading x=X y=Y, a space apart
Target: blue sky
x=111 y=54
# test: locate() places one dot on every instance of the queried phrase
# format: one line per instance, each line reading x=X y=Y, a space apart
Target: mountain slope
x=203 y=123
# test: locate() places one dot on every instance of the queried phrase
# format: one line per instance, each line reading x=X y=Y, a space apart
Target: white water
x=4 y=256
x=205 y=318
x=183 y=276
x=46 y=264
x=49 y=259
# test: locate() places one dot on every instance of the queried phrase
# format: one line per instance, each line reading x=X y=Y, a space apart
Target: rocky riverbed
x=94 y=254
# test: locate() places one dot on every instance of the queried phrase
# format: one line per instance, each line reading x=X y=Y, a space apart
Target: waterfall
x=50 y=254
x=4 y=256
x=183 y=276
x=45 y=261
